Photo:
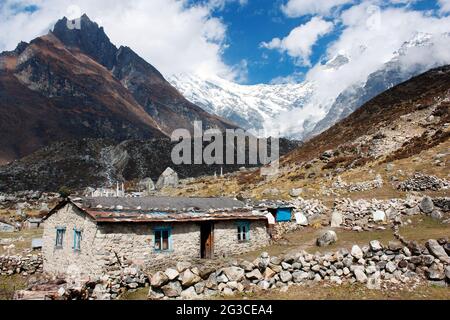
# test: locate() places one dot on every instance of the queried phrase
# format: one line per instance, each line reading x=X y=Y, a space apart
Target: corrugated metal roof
x=142 y=216
x=164 y=204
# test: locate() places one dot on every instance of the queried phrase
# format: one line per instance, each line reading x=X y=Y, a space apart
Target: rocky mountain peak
x=87 y=36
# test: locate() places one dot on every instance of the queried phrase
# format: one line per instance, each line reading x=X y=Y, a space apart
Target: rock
x=295 y=193
x=336 y=219
x=301 y=219
x=254 y=275
x=437 y=215
x=374 y=281
x=447 y=273
x=264 y=285
x=327 y=238
x=182 y=266
x=438 y=251
x=375 y=245
x=360 y=275
x=199 y=287
x=147 y=186
x=188 y=278
x=234 y=273
x=268 y=273
x=172 y=274
x=300 y=276
x=435 y=273
x=172 y=289
x=222 y=278
x=159 y=279
x=189 y=293
x=357 y=253
x=427 y=260
x=379 y=216
x=395 y=246
x=247 y=266
x=205 y=271
x=390 y=267
x=169 y=178
x=285 y=276
x=426 y=205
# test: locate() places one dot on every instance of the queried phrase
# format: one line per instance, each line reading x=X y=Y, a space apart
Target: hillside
x=73 y=84
x=404 y=130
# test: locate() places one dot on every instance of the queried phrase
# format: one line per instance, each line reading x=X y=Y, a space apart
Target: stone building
x=91 y=234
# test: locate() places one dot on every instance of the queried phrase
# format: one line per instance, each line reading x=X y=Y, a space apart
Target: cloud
x=173 y=35
x=370 y=37
x=298 y=8
x=445 y=6
x=300 y=41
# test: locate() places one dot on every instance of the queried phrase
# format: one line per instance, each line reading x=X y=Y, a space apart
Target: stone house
x=91 y=234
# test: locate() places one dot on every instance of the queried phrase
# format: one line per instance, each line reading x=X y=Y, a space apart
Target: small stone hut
x=90 y=234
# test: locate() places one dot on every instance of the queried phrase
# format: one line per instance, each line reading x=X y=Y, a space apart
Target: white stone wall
x=103 y=244
x=135 y=242
x=226 y=238
x=66 y=259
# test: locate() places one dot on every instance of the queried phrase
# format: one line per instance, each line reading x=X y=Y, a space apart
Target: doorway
x=206 y=240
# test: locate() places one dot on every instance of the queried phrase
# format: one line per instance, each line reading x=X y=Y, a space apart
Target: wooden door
x=207 y=240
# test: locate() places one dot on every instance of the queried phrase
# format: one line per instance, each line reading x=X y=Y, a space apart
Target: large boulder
x=357 y=253
x=336 y=219
x=234 y=273
x=438 y=251
x=427 y=205
x=327 y=238
x=159 y=279
x=172 y=274
x=147 y=185
x=169 y=178
x=379 y=216
x=188 y=278
x=172 y=289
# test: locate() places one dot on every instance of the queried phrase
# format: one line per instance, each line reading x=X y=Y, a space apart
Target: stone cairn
x=371 y=265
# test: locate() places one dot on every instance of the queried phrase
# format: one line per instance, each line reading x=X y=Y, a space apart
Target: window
x=60 y=237
x=162 y=239
x=76 y=240
x=243 y=231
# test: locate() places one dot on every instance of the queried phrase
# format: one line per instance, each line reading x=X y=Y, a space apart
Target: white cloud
x=370 y=38
x=298 y=8
x=445 y=6
x=170 y=34
x=299 y=43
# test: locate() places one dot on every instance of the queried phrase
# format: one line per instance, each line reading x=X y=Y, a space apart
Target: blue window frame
x=284 y=214
x=59 y=242
x=76 y=240
x=243 y=228
x=162 y=239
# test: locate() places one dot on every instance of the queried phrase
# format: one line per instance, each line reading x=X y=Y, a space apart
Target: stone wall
x=106 y=248
x=24 y=265
x=134 y=242
x=60 y=260
x=226 y=239
x=376 y=265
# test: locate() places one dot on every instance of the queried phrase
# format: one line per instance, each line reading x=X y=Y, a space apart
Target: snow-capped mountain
x=307 y=109
x=407 y=63
x=249 y=106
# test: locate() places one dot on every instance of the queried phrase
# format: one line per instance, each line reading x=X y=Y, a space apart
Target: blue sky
x=258 y=21
x=247 y=41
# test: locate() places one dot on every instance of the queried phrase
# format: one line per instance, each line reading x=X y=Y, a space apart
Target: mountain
x=399 y=133
x=82 y=163
x=74 y=83
x=251 y=107
x=389 y=75
x=272 y=106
